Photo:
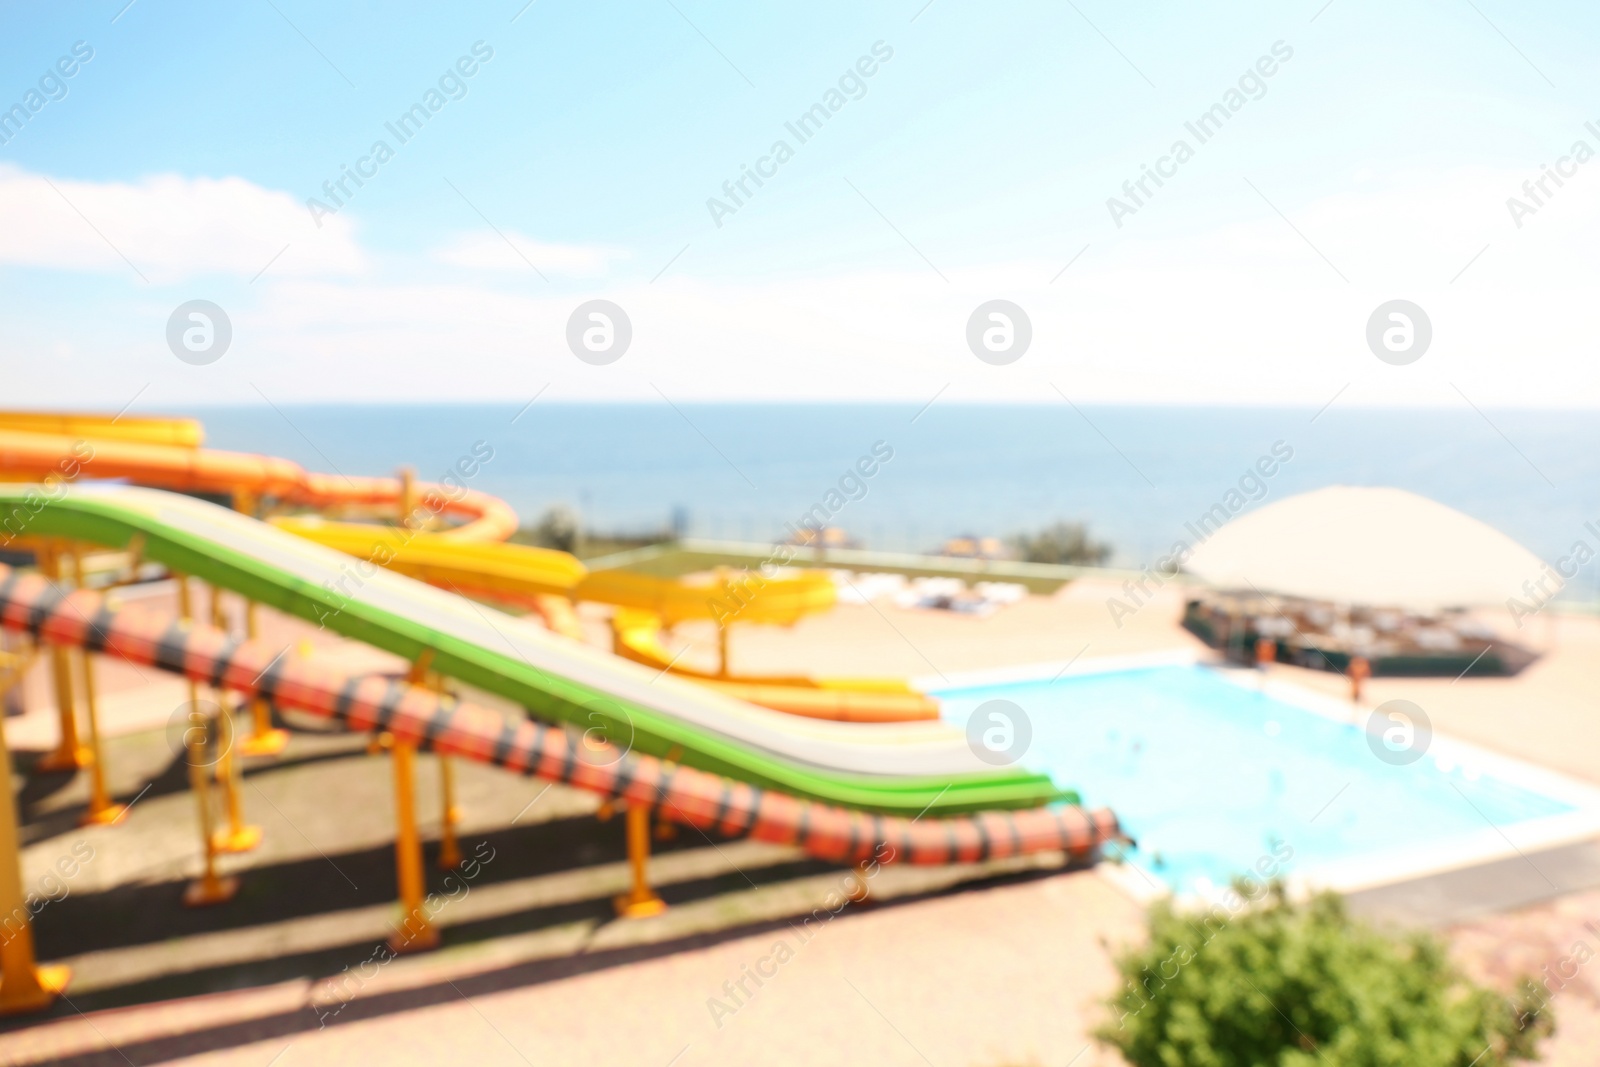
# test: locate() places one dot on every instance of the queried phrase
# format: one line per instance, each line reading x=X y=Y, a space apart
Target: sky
x=970 y=152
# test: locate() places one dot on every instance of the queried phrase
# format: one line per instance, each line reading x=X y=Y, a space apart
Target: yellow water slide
x=469 y=557
x=637 y=636
x=547 y=581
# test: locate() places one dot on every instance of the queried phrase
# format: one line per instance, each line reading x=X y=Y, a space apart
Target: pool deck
x=967 y=967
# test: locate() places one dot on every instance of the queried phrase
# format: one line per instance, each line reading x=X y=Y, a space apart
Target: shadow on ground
x=517 y=976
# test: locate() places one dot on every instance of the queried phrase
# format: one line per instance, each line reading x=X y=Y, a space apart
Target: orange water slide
x=165 y=453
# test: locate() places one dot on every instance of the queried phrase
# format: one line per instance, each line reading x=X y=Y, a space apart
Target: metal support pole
x=238 y=836
x=185 y=616
x=449 y=816
x=267 y=740
x=407 y=500
x=861 y=891
x=723 y=625
x=69 y=754
x=24 y=985
x=640 y=901
x=209 y=888
x=102 y=810
x=415 y=932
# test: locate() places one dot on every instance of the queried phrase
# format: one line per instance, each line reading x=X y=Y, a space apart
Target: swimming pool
x=1211 y=771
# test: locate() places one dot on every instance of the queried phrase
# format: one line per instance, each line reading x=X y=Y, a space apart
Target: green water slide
x=907 y=768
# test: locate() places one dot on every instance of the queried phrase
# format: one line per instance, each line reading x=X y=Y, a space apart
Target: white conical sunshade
x=1375 y=546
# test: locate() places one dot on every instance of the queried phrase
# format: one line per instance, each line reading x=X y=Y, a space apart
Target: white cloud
x=487 y=250
x=167 y=227
x=1246 y=312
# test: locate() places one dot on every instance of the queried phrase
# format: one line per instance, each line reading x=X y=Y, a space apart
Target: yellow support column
x=102 y=810
x=449 y=816
x=186 y=617
x=415 y=932
x=408 y=496
x=267 y=740
x=724 y=625
x=69 y=754
x=640 y=901
x=861 y=892
x=24 y=985
x=209 y=888
x=237 y=836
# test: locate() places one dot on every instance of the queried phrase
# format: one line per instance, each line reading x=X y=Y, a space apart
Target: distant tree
x=1285 y=985
x=561 y=528
x=558 y=528
x=1063 y=542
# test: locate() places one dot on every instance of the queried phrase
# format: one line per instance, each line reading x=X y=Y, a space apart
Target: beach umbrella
x=1373 y=546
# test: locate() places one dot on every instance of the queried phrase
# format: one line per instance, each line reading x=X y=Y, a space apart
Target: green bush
x=1286 y=985
x=1063 y=542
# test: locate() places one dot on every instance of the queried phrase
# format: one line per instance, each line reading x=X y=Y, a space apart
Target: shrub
x=1064 y=542
x=1286 y=985
x=558 y=528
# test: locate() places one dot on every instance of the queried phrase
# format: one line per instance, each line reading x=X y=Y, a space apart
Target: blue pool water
x=1209 y=775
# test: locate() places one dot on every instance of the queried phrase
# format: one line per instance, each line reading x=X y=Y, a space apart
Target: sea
x=1132 y=475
